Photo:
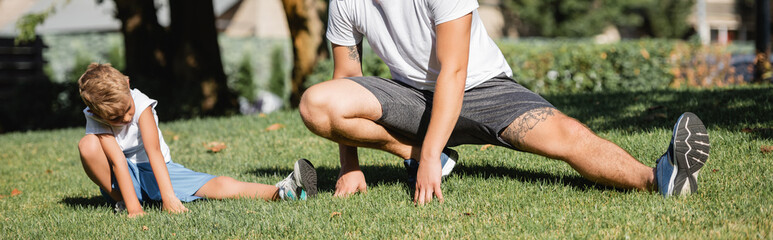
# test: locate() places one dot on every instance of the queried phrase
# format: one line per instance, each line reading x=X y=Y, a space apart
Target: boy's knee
x=89 y=145
x=224 y=185
x=222 y=182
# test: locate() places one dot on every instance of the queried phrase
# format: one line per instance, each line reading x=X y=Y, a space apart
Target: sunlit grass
x=493 y=193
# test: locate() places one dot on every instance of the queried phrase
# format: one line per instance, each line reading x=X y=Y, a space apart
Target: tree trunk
x=197 y=66
x=145 y=45
x=307 y=33
x=181 y=66
x=762 y=68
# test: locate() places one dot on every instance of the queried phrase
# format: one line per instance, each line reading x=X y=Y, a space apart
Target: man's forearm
x=348 y=157
x=453 y=44
x=446 y=106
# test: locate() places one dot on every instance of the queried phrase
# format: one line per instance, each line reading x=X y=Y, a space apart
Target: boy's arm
x=453 y=48
x=347 y=63
x=121 y=171
x=149 y=132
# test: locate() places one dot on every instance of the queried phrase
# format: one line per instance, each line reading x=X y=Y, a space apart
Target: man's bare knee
x=326 y=105
x=314 y=109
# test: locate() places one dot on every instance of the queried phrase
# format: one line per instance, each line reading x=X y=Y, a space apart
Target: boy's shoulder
x=90 y=116
x=142 y=101
x=136 y=93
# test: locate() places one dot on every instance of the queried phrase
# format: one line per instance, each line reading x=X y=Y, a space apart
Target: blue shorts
x=185 y=182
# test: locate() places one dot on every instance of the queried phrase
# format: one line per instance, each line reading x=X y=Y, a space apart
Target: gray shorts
x=486 y=109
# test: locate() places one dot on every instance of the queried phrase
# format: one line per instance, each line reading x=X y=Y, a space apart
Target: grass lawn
x=493 y=192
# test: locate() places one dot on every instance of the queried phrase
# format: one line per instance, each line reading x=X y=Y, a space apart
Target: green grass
x=494 y=193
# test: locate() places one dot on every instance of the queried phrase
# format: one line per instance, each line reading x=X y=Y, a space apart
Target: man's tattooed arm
x=355 y=52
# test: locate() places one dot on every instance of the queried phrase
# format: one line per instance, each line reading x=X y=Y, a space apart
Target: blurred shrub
x=666 y=18
x=266 y=63
x=372 y=65
x=55 y=102
x=581 y=66
x=69 y=55
x=571 y=18
x=586 y=18
x=709 y=66
x=250 y=64
x=323 y=71
x=278 y=82
x=242 y=79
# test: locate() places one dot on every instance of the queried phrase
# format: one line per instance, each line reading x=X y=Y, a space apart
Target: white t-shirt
x=402 y=33
x=128 y=136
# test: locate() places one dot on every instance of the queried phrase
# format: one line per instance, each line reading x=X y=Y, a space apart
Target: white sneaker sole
x=691 y=151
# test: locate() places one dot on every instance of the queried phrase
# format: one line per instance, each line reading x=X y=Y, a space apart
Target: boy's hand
x=134 y=214
x=174 y=206
x=428 y=182
x=350 y=182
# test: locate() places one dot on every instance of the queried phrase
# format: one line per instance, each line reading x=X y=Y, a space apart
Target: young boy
x=124 y=153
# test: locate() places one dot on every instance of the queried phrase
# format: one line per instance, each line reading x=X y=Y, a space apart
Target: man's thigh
x=490 y=107
x=486 y=110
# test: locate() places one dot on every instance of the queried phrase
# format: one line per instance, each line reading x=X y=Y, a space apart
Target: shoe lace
x=286 y=186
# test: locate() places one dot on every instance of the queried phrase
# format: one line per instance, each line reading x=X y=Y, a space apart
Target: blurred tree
x=746 y=10
x=667 y=18
x=762 y=68
x=180 y=65
x=307 y=21
x=585 y=18
x=572 y=18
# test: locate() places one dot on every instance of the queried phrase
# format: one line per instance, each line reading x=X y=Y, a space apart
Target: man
x=452 y=86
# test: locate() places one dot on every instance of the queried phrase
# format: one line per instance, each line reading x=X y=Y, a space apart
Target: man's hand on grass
x=428 y=183
x=350 y=182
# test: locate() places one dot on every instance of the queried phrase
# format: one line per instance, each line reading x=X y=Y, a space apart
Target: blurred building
x=77 y=16
x=261 y=18
x=723 y=19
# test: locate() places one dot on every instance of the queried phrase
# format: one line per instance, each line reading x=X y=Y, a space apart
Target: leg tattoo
x=523 y=124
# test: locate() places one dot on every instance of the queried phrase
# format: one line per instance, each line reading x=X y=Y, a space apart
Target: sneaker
x=448 y=160
x=119 y=207
x=302 y=182
x=677 y=170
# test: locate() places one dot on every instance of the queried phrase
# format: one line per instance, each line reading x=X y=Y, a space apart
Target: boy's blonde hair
x=104 y=90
